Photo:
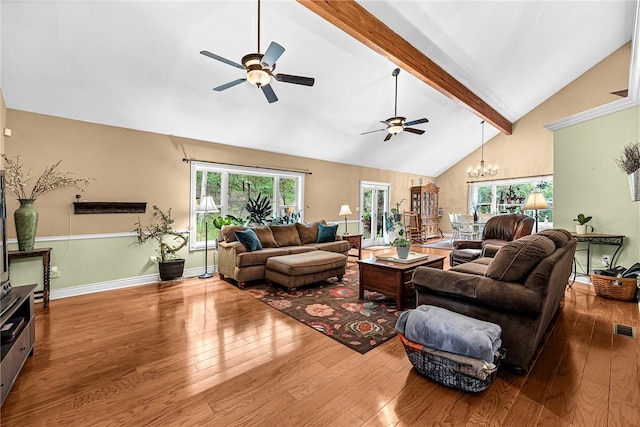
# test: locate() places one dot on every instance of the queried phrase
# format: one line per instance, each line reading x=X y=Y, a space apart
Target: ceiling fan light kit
x=397 y=124
x=482 y=170
x=260 y=68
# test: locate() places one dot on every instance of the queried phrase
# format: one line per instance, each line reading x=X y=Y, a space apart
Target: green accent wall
x=94 y=260
x=587 y=180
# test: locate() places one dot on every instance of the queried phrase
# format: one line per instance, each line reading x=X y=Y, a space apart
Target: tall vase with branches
x=17 y=181
x=629 y=163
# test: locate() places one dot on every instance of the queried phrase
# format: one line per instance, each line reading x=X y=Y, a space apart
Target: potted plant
x=582 y=220
x=402 y=245
x=259 y=209
x=629 y=163
x=169 y=242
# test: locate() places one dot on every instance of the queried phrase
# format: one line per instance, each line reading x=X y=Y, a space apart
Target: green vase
x=26 y=218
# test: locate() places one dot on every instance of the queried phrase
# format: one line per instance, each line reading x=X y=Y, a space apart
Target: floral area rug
x=334 y=309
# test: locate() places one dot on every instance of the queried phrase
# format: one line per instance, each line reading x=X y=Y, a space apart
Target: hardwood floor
x=205 y=353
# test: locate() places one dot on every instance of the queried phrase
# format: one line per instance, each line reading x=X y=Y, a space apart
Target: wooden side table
x=355 y=242
x=45 y=253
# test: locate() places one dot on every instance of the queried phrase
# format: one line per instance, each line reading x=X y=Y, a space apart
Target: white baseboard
x=118 y=284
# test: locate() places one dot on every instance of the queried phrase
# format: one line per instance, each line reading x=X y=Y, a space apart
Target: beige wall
x=132 y=165
x=529 y=150
x=3 y=121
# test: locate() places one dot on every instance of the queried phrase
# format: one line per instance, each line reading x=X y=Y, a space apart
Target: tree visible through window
x=509 y=196
x=231 y=188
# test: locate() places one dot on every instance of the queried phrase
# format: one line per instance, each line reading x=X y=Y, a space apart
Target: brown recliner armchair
x=499 y=230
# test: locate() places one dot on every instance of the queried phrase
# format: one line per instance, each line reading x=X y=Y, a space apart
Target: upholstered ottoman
x=302 y=269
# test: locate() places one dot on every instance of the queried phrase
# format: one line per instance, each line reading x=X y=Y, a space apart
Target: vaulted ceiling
x=136 y=64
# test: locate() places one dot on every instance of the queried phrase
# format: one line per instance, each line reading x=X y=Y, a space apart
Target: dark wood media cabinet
x=15 y=351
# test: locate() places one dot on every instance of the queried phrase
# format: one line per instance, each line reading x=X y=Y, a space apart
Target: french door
x=374 y=203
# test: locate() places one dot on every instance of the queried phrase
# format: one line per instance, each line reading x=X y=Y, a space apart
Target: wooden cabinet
x=424 y=203
x=16 y=349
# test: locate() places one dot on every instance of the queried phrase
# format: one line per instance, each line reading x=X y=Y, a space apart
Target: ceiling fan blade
x=372 y=131
x=269 y=93
x=389 y=135
x=287 y=78
x=221 y=59
x=416 y=122
x=274 y=51
x=412 y=130
x=228 y=85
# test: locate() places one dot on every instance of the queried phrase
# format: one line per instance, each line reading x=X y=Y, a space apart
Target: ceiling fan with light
x=259 y=68
x=397 y=124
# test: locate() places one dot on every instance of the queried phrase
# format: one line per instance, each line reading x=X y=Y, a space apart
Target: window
x=510 y=195
x=232 y=186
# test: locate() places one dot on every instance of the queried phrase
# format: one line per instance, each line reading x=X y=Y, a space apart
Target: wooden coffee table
x=391 y=278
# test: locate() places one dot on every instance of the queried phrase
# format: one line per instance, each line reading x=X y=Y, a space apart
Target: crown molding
x=632 y=99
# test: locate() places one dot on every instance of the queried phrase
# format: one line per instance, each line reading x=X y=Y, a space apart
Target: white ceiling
x=136 y=64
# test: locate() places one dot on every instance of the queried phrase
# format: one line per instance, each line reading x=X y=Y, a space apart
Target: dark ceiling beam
x=356 y=21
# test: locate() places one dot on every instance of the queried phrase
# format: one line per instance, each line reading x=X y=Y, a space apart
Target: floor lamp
x=534 y=202
x=345 y=210
x=207 y=205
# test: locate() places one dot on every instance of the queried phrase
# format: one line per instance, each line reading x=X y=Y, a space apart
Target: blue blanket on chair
x=445 y=330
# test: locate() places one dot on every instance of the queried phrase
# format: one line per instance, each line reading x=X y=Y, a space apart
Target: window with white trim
x=231 y=187
x=510 y=195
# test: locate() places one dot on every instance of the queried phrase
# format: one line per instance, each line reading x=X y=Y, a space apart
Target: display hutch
x=424 y=203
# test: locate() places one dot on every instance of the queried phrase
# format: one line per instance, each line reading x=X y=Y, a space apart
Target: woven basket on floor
x=615 y=287
x=446 y=371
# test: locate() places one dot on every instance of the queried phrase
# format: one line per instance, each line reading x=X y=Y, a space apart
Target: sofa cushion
x=308 y=232
x=265 y=236
x=249 y=239
x=300 y=249
x=286 y=235
x=341 y=246
x=476 y=268
x=516 y=259
x=228 y=232
x=327 y=233
x=247 y=259
x=558 y=236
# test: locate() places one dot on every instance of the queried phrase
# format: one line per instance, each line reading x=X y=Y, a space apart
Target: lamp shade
x=207 y=204
x=345 y=210
x=535 y=201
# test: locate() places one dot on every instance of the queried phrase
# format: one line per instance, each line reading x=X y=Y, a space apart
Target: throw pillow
x=265 y=236
x=516 y=259
x=228 y=232
x=249 y=239
x=327 y=233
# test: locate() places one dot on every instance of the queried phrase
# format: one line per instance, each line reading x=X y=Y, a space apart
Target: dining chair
x=455 y=226
x=467 y=229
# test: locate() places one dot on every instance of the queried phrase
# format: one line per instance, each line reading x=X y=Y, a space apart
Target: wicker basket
x=615 y=287
x=437 y=366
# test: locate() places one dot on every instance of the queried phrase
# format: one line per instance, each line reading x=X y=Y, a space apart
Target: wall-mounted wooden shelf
x=109 y=207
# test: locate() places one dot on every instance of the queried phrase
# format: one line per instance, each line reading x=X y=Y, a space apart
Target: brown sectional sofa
x=236 y=263
x=519 y=289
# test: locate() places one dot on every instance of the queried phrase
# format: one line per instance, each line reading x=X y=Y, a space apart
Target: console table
x=45 y=253
x=355 y=242
x=600 y=239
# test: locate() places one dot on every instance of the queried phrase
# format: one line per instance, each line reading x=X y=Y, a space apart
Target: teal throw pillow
x=327 y=233
x=249 y=239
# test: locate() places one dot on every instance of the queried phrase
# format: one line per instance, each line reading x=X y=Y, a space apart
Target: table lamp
x=207 y=205
x=534 y=202
x=345 y=210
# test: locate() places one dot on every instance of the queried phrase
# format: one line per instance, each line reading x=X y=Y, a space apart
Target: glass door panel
x=374 y=203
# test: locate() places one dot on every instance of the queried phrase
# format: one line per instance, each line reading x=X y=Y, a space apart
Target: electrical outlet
x=606 y=261
x=54 y=272
x=153 y=259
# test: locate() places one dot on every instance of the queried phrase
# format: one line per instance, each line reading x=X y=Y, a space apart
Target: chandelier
x=481 y=170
